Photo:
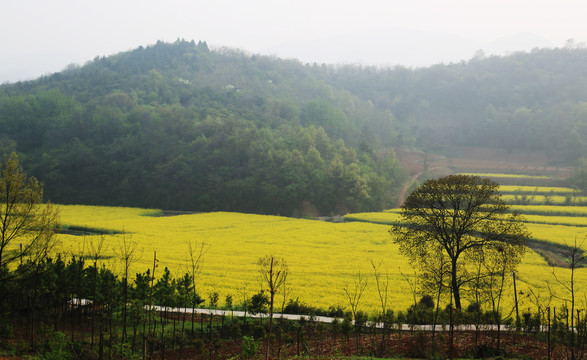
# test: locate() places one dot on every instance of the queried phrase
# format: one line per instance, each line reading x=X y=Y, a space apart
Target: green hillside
x=178 y=126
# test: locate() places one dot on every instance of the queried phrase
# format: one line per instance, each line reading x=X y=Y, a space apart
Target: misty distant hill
x=399 y=46
x=178 y=126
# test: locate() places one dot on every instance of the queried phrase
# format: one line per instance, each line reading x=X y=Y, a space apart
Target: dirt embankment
x=481 y=160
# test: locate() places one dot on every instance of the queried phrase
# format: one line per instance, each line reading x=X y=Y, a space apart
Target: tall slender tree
x=382 y=282
x=127 y=254
x=575 y=258
x=196 y=251
x=95 y=253
x=273 y=273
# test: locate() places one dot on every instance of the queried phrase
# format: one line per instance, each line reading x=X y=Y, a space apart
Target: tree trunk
x=270 y=325
x=455 y=286
x=210 y=327
x=193 y=310
x=124 y=310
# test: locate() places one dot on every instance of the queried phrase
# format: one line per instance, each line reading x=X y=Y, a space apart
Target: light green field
x=323 y=257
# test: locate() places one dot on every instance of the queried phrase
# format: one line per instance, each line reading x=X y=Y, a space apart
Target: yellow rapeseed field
x=513 y=176
x=551 y=210
x=386 y=217
x=393 y=217
x=546 y=199
x=537 y=189
x=323 y=257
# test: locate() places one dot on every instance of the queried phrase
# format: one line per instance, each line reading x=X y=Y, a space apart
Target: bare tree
x=273 y=273
x=149 y=335
x=413 y=284
x=95 y=253
x=382 y=282
x=245 y=304
x=126 y=253
x=196 y=251
x=498 y=266
x=354 y=292
x=575 y=258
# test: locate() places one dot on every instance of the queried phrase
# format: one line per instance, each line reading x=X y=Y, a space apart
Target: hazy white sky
x=39 y=37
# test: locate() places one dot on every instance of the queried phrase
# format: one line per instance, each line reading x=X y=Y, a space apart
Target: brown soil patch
x=416 y=345
x=474 y=159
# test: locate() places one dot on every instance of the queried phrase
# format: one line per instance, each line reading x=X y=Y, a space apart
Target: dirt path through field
x=403 y=193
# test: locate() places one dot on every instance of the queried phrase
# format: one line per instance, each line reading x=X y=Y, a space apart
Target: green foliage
x=176 y=126
x=258 y=303
x=57 y=345
x=126 y=352
x=521 y=102
x=250 y=347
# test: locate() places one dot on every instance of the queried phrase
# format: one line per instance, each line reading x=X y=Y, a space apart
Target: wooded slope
x=177 y=126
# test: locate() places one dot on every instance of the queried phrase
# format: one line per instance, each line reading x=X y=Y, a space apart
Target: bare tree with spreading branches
x=575 y=258
x=196 y=251
x=273 y=273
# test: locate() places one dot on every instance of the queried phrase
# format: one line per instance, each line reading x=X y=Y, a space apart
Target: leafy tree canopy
x=461 y=218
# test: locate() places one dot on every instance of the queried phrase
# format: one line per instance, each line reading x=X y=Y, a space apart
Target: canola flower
x=514 y=176
x=394 y=217
x=578 y=221
x=537 y=190
x=386 y=217
x=550 y=210
x=545 y=199
x=322 y=257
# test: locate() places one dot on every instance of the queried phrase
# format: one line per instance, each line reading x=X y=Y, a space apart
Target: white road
x=326 y=319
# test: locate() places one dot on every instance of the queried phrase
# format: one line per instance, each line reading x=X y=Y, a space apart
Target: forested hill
x=533 y=101
x=177 y=126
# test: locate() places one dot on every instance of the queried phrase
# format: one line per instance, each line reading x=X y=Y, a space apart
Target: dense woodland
x=178 y=126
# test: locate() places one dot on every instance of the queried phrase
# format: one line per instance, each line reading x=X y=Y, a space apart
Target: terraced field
x=554 y=229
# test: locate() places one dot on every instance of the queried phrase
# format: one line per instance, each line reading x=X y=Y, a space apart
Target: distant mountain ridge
x=403 y=47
